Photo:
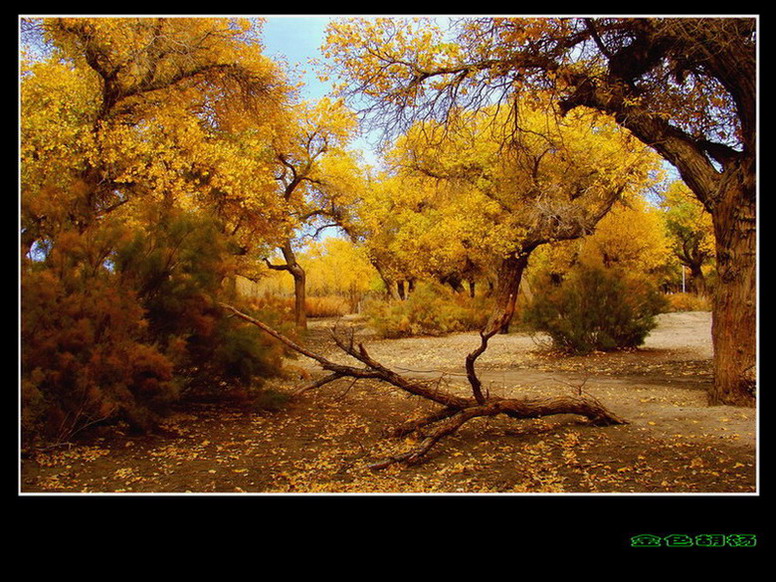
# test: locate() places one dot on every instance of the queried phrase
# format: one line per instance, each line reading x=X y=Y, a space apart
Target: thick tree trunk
x=730 y=197
x=300 y=282
x=509 y=275
x=735 y=311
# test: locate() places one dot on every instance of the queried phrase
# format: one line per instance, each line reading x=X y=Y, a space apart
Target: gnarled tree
x=471 y=192
x=314 y=174
x=686 y=87
x=691 y=232
x=122 y=111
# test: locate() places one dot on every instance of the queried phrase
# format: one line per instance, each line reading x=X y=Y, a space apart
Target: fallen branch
x=456 y=410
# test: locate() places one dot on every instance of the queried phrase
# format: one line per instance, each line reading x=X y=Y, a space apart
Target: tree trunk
x=390 y=291
x=728 y=194
x=400 y=289
x=300 y=282
x=735 y=310
x=509 y=275
x=697 y=280
x=453 y=281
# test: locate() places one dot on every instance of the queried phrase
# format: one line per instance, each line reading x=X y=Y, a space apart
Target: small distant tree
x=315 y=175
x=692 y=233
x=336 y=266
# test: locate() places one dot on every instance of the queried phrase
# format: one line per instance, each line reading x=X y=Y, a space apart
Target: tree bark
x=300 y=296
x=508 y=277
x=390 y=289
x=300 y=283
x=300 y=288
x=729 y=195
x=734 y=324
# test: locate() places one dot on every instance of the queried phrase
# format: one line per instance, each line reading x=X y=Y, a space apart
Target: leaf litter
x=324 y=441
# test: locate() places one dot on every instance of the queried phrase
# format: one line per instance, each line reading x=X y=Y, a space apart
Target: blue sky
x=297 y=39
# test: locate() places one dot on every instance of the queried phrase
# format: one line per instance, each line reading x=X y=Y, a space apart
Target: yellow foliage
x=336 y=266
x=461 y=194
x=180 y=110
x=632 y=236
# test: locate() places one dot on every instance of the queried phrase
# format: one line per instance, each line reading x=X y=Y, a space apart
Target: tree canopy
x=686 y=87
x=163 y=157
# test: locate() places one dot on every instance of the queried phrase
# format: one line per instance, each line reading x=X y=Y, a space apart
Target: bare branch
x=455 y=411
x=277 y=267
x=475 y=382
x=318 y=383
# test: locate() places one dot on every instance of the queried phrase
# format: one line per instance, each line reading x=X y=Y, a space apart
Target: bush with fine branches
x=595 y=309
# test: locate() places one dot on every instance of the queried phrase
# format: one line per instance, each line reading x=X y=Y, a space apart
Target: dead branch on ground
x=455 y=410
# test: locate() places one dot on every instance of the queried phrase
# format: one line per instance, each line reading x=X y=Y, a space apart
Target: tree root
x=455 y=410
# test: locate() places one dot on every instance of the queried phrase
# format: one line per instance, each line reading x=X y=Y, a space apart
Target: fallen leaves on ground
x=324 y=441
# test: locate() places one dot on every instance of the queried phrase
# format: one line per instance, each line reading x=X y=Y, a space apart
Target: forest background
x=172 y=170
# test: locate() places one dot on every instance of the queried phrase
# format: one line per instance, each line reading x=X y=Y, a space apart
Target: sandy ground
x=325 y=440
x=662 y=383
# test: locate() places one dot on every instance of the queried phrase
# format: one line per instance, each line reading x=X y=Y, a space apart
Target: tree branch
x=455 y=411
x=475 y=382
x=276 y=267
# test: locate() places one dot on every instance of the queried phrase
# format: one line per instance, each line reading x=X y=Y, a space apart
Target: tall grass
x=687 y=302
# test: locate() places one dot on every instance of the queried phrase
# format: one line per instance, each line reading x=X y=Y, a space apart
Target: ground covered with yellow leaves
x=324 y=440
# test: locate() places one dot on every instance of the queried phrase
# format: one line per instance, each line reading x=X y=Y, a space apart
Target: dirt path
x=663 y=383
x=324 y=441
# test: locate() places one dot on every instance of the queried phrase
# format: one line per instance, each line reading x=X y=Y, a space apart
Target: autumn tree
x=685 y=87
x=315 y=173
x=691 y=230
x=336 y=266
x=119 y=113
x=153 y=98
x=476 y=194
x=632 y=237
x=373 y=224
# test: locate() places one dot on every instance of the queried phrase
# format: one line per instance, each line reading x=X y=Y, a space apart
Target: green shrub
x=430 y=309
x=119 y=322
x=84 y=355
x=180 y=270
x=595 y=309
